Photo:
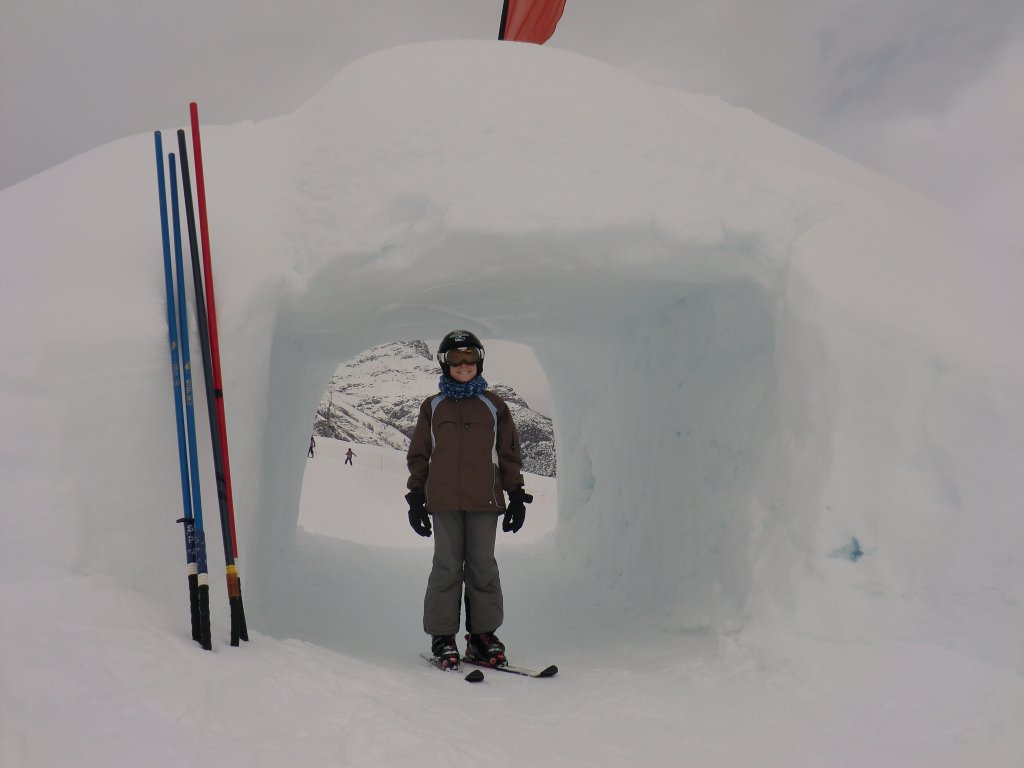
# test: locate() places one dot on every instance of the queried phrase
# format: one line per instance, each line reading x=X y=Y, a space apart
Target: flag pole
x=504 y=20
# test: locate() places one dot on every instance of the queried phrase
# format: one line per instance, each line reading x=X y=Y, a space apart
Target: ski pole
x=202 y=574
x=231 y=570
x=172 y=335
x=218 y=382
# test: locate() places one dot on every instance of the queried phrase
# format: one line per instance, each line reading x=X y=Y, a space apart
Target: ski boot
x=445 y=651
x=486 y=648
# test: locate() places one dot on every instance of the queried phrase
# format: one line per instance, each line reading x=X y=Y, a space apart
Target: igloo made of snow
x=758 y=351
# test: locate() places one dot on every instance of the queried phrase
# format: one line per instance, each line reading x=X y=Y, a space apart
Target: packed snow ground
x=758 y=352
x=97 y=674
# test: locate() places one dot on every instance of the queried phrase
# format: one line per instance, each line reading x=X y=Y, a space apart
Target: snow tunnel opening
x=666 y=403
x=356 y=465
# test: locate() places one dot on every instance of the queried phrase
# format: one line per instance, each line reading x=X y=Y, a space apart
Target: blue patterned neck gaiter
x=458 y=391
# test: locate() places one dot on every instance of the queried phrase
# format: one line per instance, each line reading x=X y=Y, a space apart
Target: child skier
x=463 y=458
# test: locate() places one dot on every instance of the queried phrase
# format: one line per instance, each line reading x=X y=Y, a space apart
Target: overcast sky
x=928 y=92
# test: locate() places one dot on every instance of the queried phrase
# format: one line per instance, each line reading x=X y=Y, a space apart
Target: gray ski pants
x=463 y=554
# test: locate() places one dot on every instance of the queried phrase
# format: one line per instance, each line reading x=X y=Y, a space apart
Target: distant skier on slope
x=348 y=457
x=312 y=447
x=463 y=458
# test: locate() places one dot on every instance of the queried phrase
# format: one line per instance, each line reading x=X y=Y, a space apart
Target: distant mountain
x=374 y=399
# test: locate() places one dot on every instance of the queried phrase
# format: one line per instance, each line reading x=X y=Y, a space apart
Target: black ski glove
x=515 y=514
x=418 y=517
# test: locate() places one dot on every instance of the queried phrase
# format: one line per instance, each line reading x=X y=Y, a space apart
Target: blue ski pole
x=202 y=573
x=172 y=335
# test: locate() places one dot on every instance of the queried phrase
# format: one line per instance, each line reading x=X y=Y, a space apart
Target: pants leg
x=463 y=554
x=442 y=604
x=485 y=608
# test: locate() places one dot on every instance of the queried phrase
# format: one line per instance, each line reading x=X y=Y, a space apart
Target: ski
x=475 y=676
x=549 y=671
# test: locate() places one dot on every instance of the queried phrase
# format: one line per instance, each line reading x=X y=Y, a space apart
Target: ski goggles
x=462 y=356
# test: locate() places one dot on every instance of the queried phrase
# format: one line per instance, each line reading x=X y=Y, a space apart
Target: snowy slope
x=375 y=397
x=357 y=502
x=757 y=352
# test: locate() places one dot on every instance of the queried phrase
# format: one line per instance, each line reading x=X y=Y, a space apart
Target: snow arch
x=704 y=291
x=713 y=300
x=757 y=350
x=664 y=396
x=593 y=218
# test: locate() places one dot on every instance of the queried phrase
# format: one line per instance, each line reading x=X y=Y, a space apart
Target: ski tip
x=476 y=676
x=548 y=671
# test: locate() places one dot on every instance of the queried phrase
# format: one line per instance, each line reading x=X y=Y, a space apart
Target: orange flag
x=530 y=21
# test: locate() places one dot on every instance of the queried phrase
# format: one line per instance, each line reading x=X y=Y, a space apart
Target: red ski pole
x=204 y=237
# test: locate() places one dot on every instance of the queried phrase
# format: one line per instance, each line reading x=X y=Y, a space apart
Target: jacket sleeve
x=510 y=456
x=418 y=457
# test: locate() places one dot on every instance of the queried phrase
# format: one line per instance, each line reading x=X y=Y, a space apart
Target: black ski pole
x=202 y=574
x=231 y=572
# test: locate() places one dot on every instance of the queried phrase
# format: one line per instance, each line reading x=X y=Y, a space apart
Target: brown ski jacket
x=465 y=453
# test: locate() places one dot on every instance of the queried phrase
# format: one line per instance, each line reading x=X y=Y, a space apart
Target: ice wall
x=758 y=351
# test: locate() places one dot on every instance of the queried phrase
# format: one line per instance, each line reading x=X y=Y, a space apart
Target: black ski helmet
x=459 y=340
